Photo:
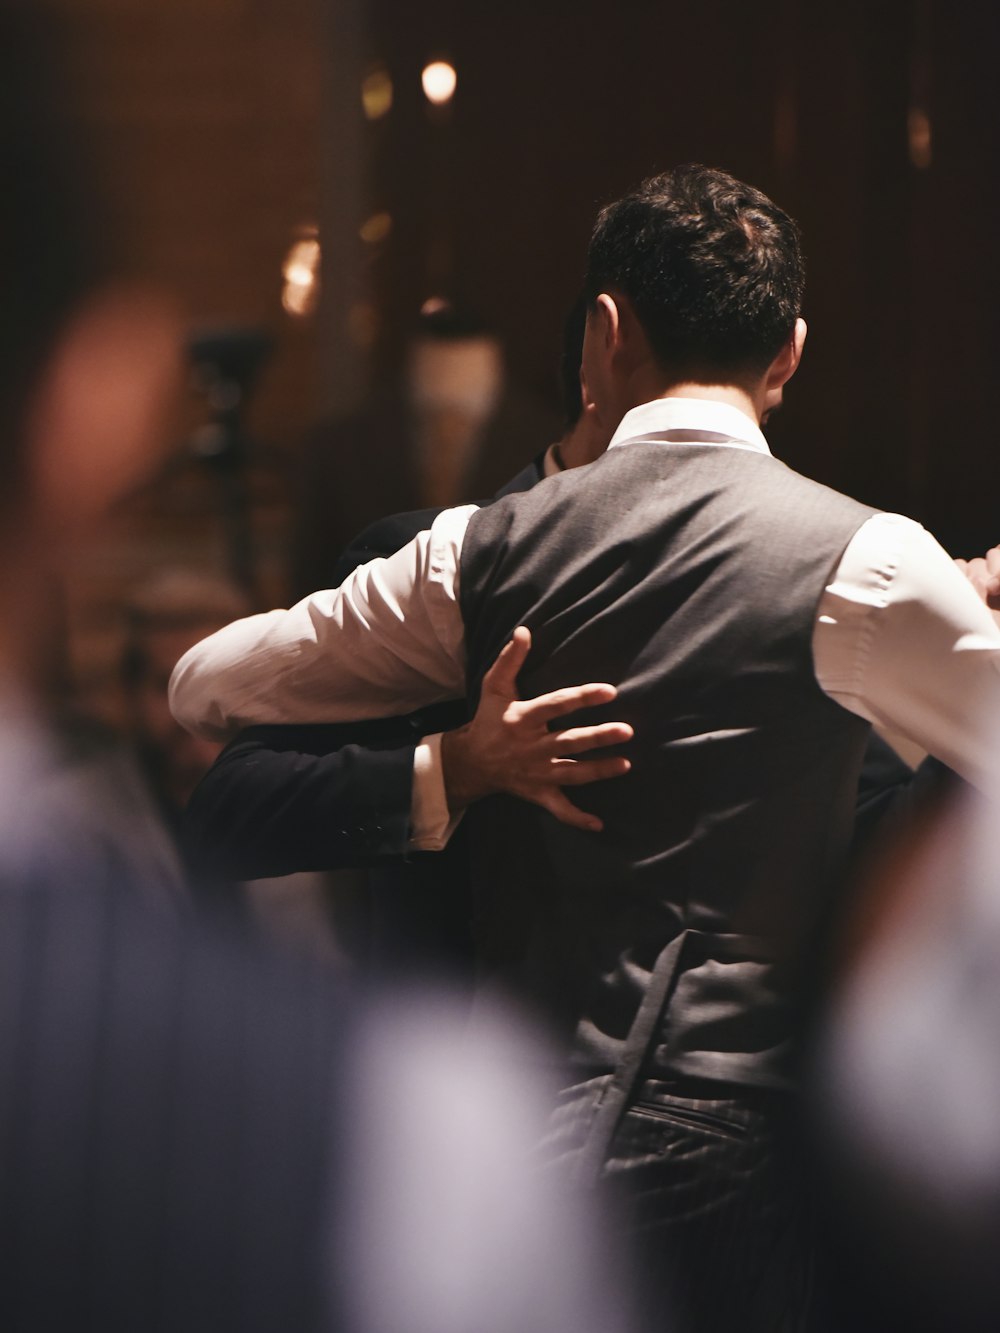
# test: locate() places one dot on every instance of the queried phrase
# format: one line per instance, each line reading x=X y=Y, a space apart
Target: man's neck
x=731 y=394
x=583 y=443
x=646 y=383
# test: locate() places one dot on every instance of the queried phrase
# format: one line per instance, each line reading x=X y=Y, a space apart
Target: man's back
x=689 y=575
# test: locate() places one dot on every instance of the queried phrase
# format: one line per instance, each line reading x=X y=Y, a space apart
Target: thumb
x=502 y=675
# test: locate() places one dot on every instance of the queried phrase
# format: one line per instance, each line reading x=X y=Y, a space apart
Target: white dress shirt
x=900 y=637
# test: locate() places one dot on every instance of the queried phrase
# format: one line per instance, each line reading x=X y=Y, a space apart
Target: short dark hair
x=712 y=268
x=51 y=236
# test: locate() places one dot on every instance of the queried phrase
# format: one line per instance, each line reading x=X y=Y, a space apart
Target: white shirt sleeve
x=390 y=639
x=431 y=822
x=902 y=639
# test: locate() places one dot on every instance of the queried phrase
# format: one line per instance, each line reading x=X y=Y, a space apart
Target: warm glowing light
x=439 y=80
x=298 y=301
x=376 y=229
x=433 y=306
x=376 y=93
x=919 y=128
x=301 y=273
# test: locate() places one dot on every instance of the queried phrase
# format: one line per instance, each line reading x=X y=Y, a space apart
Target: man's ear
x=608 y=318
x=786 y=363
x=103 y=407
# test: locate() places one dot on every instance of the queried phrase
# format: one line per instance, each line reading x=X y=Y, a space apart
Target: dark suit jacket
x=325 y=797
x=356 y=469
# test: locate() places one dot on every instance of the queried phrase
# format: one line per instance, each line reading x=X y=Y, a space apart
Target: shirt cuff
x=431 y=822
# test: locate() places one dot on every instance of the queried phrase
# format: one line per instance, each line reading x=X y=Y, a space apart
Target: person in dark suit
x=450 y=425
x=302 y=798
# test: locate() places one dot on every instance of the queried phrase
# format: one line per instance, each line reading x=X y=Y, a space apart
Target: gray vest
x=687 y=575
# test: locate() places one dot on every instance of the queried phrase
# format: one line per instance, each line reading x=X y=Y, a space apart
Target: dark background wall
x=875 y=124
x=227 y=125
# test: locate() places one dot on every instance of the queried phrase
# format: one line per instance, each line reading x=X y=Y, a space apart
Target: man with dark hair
x=755 y=624
x=712 y=269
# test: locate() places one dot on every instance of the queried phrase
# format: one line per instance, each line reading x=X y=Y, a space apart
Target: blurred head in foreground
x=88 y=361
x=908 y=1079
x=196 y=1133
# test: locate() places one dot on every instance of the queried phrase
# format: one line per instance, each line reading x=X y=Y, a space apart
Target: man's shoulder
x=386 y=535
x=382 y=538
x=525 y=479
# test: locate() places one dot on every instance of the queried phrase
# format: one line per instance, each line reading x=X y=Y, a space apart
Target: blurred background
x=308 y=176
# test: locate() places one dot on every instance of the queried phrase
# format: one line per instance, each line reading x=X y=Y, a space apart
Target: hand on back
x=510 y=747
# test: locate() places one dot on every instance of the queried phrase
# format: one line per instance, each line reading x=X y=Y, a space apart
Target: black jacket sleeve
x=319 y=797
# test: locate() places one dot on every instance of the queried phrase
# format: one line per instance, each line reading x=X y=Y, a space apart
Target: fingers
x=984 y=574
x=580 y=739
x=549 y=706
x=578 y=772
x=502 y=675
x=977 y=572
x=567 y=813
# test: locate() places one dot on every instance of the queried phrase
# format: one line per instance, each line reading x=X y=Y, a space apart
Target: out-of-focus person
x=196 y=1133
x=89 y=363
x=450 y=426
x=907 y=1082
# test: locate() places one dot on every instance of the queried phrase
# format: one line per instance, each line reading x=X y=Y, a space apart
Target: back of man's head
x=712 y=268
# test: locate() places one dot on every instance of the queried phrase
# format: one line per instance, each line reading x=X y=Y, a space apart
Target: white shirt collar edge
x=691 y=414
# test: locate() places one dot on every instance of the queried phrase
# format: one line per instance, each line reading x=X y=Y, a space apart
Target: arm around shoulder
x=285 y=799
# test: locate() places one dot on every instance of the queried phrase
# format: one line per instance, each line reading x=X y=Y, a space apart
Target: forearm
x=263 y=811
x=387 y=641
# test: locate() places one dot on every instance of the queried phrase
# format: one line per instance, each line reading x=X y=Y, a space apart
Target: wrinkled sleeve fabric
x=389 y=640
x=902 y=640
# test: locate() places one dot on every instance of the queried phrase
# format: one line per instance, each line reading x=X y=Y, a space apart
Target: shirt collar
x=689 y=421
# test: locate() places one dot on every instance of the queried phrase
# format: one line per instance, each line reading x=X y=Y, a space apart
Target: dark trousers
x=712 y=1203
